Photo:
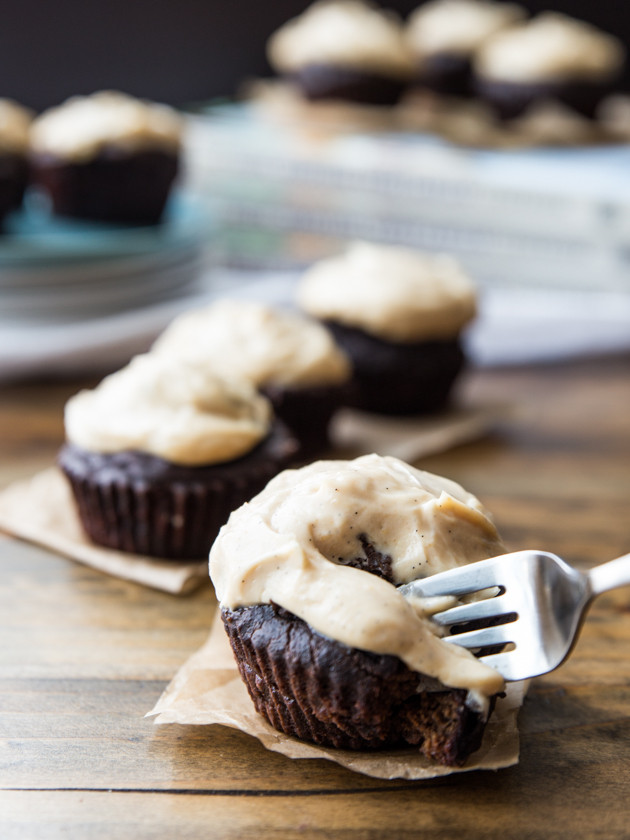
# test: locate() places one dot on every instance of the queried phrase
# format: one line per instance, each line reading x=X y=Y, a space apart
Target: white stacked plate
x=59 y=271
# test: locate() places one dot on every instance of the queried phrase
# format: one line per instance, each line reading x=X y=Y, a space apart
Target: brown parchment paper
x=208 y=689
x=411 y=438
x=41 y=510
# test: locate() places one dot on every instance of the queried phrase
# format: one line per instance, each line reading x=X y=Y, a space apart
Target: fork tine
x=509 y=666
x=486 y=637
x=459 y=581
x=487 y=608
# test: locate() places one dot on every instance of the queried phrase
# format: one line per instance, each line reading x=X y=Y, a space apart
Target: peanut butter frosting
x=186 y=415
x=83 y=125
x=15 y=122
x=288 y=545
x=551 y=47
x=254 y=341
x=394 y=293
x=346 y=33
x=458 y=26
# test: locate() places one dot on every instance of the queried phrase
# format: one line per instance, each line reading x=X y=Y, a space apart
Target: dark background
x=177 y=51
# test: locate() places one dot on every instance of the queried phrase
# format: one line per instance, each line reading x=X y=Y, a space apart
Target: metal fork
x=536 y=606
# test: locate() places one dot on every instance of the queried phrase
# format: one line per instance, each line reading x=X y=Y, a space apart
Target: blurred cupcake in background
x=444 y=35
x=398 y=314
x=160 y=453
x=292 y=360
x=344 y=49
x=107 y=157
x=15 y=122
x=553 y=57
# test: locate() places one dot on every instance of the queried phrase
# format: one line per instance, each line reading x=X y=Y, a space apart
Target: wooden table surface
x=83 y=657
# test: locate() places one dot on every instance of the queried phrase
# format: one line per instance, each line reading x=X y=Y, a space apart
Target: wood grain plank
x=509 y=807
x=83 y=656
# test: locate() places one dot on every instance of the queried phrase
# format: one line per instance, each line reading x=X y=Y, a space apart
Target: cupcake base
x=13 y=180
x=447 y=74
x=115 y=186
x=316 y=689
x=513 y=99
x=142 y=504
x=395 y=378
x=325 y=81
x=307 y=412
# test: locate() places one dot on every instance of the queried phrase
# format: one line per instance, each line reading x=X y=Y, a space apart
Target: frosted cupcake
x=107 y=157
x=14 y=130
x=292 y=360
x=344 y=49
x=158 y=455
x=554 y=57
x=399 y=315
x=329 y=650
x=445 y=34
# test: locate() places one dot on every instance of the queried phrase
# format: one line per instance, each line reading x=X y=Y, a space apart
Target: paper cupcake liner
x=396 y=378
x=326 y=81
x=513 y=99
x=113 y=186
x=318 y=690
x=307 y=412
x=140 y=504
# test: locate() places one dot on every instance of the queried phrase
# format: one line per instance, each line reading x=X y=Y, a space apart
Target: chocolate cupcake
x=553 y=57
x=159 y=454
x=14 y=130
x=107 y=158
x=330 y=651
x=398 y=314
x=291 y=359
x=344 y=50
x=444 y=35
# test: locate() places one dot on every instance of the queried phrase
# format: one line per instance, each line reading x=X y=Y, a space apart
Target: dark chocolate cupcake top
x=343 y=33
x=185 y=415
x=394 y=293
x=250 y=340
x=458 y=27
x=291 y=545
x=83 y=125
x=551 y=47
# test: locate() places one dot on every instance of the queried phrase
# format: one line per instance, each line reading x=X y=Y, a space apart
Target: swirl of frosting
x=347 y=33
x=551 y=47
x=290 y=545
x=394 y=293
x=15 y=122
x=186 y=415
x=250 y=340
x=458 y=26
x=83 y=125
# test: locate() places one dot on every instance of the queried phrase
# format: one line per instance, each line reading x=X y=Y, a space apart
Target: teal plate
x=34 y=237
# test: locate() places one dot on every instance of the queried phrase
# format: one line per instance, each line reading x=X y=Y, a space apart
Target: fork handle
x=609 y=575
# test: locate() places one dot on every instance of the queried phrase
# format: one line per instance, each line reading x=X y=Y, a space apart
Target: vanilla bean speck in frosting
x=346 y=33
x=186 y=415
x=288 y=546
x=80 y=127
x=251 y=340
x=394 y=293
x=458 y=27
x=551 y=47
